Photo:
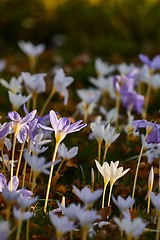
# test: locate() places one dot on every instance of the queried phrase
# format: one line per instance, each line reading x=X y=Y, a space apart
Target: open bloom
x=133 y=229
x=62 y=224
x=17 y=100
x=133 y=101
x=61 y=83
x=15 y=84
x=30 y=49
x=34 y=83
x=62 y=126
x=103 y=68
x=116 y=172
x=154 y=64
x=65 y=153
x=86 y=195
x=124 y=204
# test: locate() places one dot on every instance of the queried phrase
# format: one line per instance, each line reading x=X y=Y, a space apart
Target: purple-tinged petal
x=29 y=116
x=39 y=125
x=6 y=129
x=14 y=116
x=53 y=119
x=155 y=63
x=63 y=124
x=144 y=59
x=22 y=134
x=3 y=182
x=15 y=183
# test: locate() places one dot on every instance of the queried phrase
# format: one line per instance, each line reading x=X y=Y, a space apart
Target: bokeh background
x=116 y=30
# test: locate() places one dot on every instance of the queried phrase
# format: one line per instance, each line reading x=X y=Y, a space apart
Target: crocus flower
x=154 y=64
x=103 y=68
x=19 y=214
x=62 y=224
x=30 y=49
x=62 y=126
x=34 y=83
x=7 y=161
x=133 y=101
x=60 y=84
x=17 y=100
x=65 y=153
x=15 y=84
x=124 y=204
x=86 y=195
x=71 y=210
x=4 y=230
x=133 y=229
x=19 y=124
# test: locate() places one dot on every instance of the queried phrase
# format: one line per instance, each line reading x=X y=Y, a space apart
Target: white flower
x=124 y=204
x=103 y=68
x=87 y=218
x=86 y=195
x=109 y=115
x=110 y=135
x=155 y=199
x=97 y=131
x=15 y=84
x=31 y=50
x=104 y=170
x=61 y=224
x=89 y=95
x=34 y=83
x=115 y=172
x=132 y=229
x=36 y=145
x=124 y=69
x=60 y=83
x=19 y=214
x=65 y=153
x=71 y=210
x=17 y=100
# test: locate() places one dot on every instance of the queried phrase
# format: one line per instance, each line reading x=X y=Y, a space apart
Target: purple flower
x=133 y=101
x=153 y=64
x=125 y=83
x=62 y=126
x=152 y=130
x=20 y=125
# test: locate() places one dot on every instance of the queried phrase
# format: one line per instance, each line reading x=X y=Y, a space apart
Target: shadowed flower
x=65 y=153
x=4 y=230
x=17 y=100
x=30 y=49
x=103 y=68
x=34 y=83
x=19 y=214
x=133 y=229
x=71 y=210
x=124 y=204
x=86 y=195
x=15 y=84
x=62 y=224
x=60 y=84
x=133 y=101
x=154 y=64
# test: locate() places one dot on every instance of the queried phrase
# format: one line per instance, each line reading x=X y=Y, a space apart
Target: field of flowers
x=79 y=141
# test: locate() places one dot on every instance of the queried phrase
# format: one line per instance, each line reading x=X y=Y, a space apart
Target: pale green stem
x=84 y=233
x=104 y=193
x=147 y=99
x=30 y=177
x=20 y=158
x=105 y=152
x=85 y=116
x=158 y=227
x=47 y=101
x=19 y=226
x=3 y=164
x=34 y=101
x=110 y=192
x=149 y=200
x=117 y=110
x=35 y=175
x=32 y=63
x=24 y=173
x=50 y=176
x=138 y=164
x=99 y=150
x=60 y=165
x=12 y=160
